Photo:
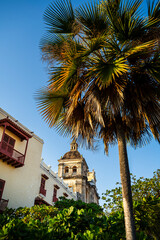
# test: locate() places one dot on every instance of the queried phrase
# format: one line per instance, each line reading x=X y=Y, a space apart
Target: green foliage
x=66 y=220
x=70 y=219
x=146 y=205
x=66 y=203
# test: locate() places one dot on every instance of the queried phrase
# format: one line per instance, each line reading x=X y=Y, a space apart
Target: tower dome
x=73 y=153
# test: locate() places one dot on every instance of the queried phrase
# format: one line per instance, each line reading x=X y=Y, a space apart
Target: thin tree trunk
x=126 y=186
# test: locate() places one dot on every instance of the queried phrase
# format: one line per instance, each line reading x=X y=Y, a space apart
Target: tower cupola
x=73 y=145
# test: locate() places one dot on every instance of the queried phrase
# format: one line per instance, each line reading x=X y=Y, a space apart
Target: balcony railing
x=10 y=155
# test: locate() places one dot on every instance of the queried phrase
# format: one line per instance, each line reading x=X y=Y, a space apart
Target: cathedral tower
x=73 y=169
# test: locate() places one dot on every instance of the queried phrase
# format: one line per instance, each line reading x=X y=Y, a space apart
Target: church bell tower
x=73 y=169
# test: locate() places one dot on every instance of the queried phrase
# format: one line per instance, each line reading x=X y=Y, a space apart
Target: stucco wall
x=52 y=180
x=22 y=184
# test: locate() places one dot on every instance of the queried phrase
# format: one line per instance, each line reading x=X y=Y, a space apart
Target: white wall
x=55 y=180
x=22 y=184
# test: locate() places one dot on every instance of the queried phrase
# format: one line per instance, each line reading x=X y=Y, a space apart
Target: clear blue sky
x=22 y=73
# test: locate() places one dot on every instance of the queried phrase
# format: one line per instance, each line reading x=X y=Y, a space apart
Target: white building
x=25 y=179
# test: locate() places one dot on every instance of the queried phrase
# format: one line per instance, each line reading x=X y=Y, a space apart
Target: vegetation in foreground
x=76 y=220
x=146 y=204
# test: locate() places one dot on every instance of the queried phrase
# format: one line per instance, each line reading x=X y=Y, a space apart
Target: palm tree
x=104 y=78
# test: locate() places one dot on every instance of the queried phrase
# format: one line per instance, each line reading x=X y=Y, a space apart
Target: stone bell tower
x=73 y=169
x=74 y=146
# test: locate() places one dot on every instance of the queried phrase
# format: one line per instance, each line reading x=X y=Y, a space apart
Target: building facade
x=26 y=180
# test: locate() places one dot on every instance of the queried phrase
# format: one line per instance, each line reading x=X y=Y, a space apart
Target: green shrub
x=66 y=220
x=146 y=205
x=76 y=220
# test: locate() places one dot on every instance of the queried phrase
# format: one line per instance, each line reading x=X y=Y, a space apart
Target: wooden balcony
x=7 y=152
x=10 y=155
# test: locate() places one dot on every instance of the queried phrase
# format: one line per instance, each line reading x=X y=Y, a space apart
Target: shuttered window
x=56 y=187
x=55 y=195
x=8 y=144
x=42 y=187
x=2 y=183
x=65 y=195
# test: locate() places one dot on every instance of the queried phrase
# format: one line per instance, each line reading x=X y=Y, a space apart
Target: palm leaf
x=132 y=7
x=153 y=66
x=53 y=47
x=62 y=76
x=59 y=17
x=106 y=72
x=92 y=18
x=51 y=104
x=153 y=9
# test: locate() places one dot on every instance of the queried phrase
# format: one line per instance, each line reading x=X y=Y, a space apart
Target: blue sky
x=22 y=73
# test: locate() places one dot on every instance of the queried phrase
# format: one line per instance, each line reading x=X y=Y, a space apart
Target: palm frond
x=53 y=47
x=62 y=76
x=132 y=7
x=51 y=104
x=106 y=72
x=153 y=9
x=60 y=18
x=93 y=104
x=125 y=19
x=92 y=18
x=108 y=133
x=152 y=114
x=153 y=66
x=95 y=44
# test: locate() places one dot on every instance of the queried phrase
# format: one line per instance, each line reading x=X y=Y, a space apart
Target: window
x=55 y=195
x=65 y=195
x=8 y=144
x=91 y=198
x=56 y=187
x=74 y=169
x=42 y=187
x=66 y=170
x=2 y=183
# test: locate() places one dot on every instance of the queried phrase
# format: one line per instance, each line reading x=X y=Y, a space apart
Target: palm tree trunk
x=126 y=185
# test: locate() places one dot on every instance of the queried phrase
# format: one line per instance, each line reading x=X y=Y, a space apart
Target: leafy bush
x=66 y=220
x=146 y=205
x=66 y=203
